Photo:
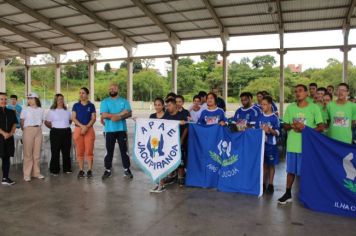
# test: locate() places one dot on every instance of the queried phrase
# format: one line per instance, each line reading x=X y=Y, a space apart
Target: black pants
x=121 y=138
x=7 y=150
x=61 y=141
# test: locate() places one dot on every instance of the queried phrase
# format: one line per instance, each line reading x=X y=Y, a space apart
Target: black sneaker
x=106 y=174
x=270 y=189
x=264 y=188
x=81 y=174
x=68 y=172
x=170 y=180
x=128 y=173
x=7 y=181
x=285 y=199
x=181 y=182
x=89 y=174
x=158 y=189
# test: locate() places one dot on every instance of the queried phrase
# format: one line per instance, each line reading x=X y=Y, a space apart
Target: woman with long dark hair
x=32 y=118
x=59 y=120
x=84 y=117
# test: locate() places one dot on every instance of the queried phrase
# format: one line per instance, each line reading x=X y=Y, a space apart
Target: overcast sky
x=309 y=59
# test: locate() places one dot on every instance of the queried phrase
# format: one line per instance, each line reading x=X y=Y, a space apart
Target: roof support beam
x=127 y=42
x=53 y=24
x=27 y=35
x=21 y=51
x=224 y=34
x=172 y=36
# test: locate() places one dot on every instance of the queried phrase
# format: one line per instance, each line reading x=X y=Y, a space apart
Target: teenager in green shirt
x=341 y=115
x=319 y=101
x=298 y=115
x=312 y=92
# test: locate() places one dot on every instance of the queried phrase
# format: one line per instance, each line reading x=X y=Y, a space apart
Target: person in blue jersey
x=16 y=107
x=115 y=110
x=259 y=96
x=212 y=114
x=247 y=115
x=269 y=122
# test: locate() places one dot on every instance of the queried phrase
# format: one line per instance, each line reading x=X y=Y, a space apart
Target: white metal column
x=27 y=76
x=225 y=73
x=129 y=76
x=345 y=49
x=2 y=76
x=57 y=74
x=91 y=76
x=174 y=62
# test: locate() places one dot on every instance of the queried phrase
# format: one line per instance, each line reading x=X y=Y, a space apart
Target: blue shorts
x=271 y=155
x=294 y=163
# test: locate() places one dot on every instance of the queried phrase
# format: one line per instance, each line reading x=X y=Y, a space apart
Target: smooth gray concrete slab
x=64 y=205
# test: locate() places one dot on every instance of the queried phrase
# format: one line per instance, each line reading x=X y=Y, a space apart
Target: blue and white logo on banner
x=157 y=147
x=328 y=176
x=230 y=162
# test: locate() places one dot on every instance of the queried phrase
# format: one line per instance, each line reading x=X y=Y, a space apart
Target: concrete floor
x=64 y=205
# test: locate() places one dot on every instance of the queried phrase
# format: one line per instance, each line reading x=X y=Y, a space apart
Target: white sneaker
x=40 y=177
x=27 y=179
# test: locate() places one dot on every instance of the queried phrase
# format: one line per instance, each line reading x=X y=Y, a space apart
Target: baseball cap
x=32 y=95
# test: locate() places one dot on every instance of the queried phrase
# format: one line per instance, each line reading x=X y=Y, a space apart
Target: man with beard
x=114 y=111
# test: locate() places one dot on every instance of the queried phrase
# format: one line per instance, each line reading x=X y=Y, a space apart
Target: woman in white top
x=32 y=118
x=59 y=120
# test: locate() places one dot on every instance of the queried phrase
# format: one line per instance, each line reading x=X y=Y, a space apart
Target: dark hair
x=313 y=84
x=259 y=93
x=13 y=96
x=330 y=86
x=86 y=90
x=2 y=93
x=171 y=94
x=322 y=89
x=160 y=100
x=268 y=99
x=38 y=102
x=246 y=94
x=171 y=100
x=265 y=93
x=202 y=94
x=54 y=104
x=214 y=96
x=181 y=97
x=302 y=86
x=196 y=97
x=329 y=94
x=345 y=85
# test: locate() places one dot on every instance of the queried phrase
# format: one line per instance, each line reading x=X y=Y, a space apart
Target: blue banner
x=328 y=175
x=230 y=162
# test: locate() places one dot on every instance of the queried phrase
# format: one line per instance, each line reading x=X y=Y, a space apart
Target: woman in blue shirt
x=213 y=114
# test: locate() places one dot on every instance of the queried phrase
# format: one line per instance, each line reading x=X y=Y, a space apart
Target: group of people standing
x=114 y=112
x=315 y=108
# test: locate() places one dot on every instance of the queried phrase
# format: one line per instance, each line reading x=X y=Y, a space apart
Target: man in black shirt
x=8 y=123
x=172 y=113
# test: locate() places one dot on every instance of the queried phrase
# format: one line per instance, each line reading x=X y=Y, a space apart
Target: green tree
x=107 y=67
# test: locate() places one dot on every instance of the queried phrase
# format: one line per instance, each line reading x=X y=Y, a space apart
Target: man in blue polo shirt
x=114 y=111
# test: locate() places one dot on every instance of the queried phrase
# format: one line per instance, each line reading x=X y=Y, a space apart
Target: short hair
x=322 y=89
x=345 y=85
x=265 y=93
x=159 y=100
x=259 y=93
x=85 y=89
x=246 y=94
x=214 y=96
x=268 y=99
x=302 y=86
x=202 y=94
x=329 y=94
x=196 y=97
x=171 y=94
x=313 y=84
x=171 y=100
x=330 y=86
x=181 y=97
x=3 y=94
x=13 y=96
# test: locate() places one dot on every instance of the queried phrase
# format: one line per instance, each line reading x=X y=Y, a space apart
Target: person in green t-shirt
x=312 y=92
x=298 y=115
x=341 y=115
x=319 y=101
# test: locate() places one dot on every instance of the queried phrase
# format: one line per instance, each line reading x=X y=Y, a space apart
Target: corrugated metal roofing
x=60 y=25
